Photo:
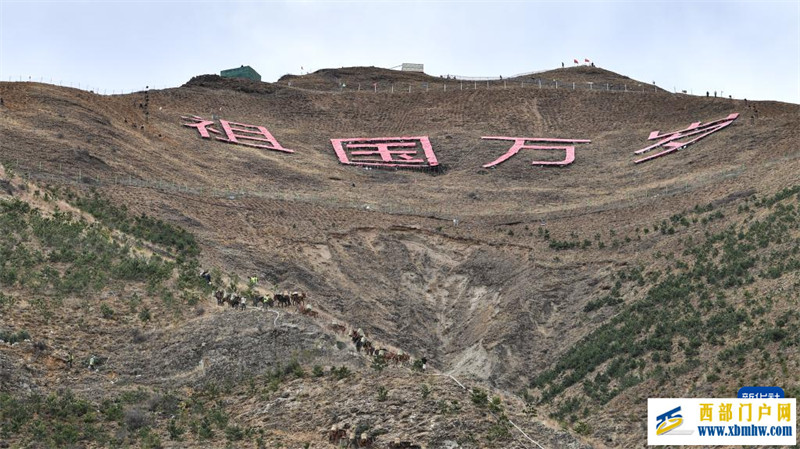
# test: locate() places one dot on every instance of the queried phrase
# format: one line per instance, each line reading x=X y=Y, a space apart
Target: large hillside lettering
x=670 y=140
x=386 y=152
x=519 y=144
x=236 y=133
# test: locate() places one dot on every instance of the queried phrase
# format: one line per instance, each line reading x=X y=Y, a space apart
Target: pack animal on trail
x=336 y=434
x=307 y=310
x=284 y=300
x=263 y=300
x=235 y=301
x=338 y=327
x=298 y=298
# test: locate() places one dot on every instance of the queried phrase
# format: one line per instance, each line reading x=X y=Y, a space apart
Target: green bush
x=11 y=337
x=112 y=411
x=417 y=365
x=582 y=428
x=219 y=416
x=500 y=430
x=204 y=430
x=425 y=390
x=234 y=433
x=106 y=311
x=496 y=405
x=378 y=363
x=150 y=439
x=295 y=369
x=479 y=397
x=175 y=430
x=340 y=373
x=144 y=315
x=383 y=393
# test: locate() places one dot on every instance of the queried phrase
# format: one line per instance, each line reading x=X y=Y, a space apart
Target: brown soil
x=486 y=299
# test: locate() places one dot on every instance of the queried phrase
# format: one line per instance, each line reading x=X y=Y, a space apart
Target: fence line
x=494 y=78
x=443 y=84
x=448 y=85
x=84 y=87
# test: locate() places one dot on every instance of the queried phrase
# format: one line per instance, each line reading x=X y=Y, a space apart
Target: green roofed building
x=244 y=71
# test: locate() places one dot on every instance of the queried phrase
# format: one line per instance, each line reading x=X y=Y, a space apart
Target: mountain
x=570 y=293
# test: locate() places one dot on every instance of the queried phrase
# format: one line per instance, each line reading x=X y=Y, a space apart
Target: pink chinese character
x=388 y=152
x=669 y=140
x=202 y=125
x=519 y=144
x=238 y=133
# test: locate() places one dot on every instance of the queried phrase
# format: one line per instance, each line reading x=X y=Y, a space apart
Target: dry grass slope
x=541 y=260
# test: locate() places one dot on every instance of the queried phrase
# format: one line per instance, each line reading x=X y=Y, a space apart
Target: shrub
x=383 y=394
x=218 y=416
x=294 y=368
x=144 y=315
x=340 y=373
x=135 y=419
x=150 y=440
x=499 y=430
x=425 y=390
x=582 y=428
x=496 y=405
x=204 y=430
x=106 y=311
x=175 y=431
x=234 y=433
x=6 y=301
x=378 y=363
x=11 y=338
x=479 y=397
x=166 y=404
x=417 y=365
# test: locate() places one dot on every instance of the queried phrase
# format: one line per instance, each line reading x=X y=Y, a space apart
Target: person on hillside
x=359 y=344
x=207 y=276
x=70 y=358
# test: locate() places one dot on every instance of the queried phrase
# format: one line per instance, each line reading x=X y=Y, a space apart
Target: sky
x=744 y=49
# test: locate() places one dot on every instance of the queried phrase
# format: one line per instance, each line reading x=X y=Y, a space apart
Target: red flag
x=586 y=60
x=576 y=61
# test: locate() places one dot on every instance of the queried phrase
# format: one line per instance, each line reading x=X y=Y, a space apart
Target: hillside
x=349 y=79
x=107 y=339
x=527 y=279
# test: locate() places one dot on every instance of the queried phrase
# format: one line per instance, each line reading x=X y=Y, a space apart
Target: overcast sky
x=745 y=49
